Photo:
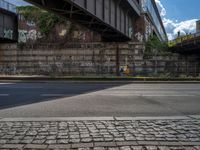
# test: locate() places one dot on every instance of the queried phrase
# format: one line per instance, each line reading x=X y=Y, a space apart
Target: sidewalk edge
x=98 y=118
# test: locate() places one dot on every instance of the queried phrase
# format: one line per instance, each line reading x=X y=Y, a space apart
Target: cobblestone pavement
x=100 y=135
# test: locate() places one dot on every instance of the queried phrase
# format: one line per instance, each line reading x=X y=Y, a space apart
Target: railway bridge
x=8 y=22
x=188 y=44
x=113 y=19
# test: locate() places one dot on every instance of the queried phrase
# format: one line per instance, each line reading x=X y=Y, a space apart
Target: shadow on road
x=17 y=94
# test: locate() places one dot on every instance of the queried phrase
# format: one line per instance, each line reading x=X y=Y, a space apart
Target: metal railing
x=8 y=6
x=184 y=38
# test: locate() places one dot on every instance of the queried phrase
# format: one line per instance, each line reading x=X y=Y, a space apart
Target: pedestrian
x=121 y=71
x=127 y=71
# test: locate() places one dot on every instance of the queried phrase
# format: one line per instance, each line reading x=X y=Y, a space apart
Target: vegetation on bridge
x=45 y=21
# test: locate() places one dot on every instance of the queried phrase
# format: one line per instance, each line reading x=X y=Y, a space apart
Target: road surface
x=67 y=99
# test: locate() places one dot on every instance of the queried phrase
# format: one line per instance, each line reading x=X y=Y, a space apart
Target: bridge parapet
x=183 y=39
x=8 y=6
x=8 y=22
x=186 y=44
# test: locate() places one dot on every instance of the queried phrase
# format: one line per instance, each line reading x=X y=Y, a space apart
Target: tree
x=155 y=47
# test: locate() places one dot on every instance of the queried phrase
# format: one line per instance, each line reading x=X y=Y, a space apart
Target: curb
x=96 y=81
x=98 y=118
x=37 y=78
x=98 y=145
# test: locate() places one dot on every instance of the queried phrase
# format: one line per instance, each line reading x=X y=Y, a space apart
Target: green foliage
x=46 y=21
x=155 y=47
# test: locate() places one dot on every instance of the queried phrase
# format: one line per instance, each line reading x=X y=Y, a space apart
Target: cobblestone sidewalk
x=100 y=135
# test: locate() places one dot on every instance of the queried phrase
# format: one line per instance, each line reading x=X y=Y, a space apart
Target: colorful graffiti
x=79 y=35
x=63 y=33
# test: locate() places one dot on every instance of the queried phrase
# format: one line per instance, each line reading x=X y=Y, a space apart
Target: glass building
x=152 y=15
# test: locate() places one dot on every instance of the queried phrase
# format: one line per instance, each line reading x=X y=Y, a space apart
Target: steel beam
x=111 y=18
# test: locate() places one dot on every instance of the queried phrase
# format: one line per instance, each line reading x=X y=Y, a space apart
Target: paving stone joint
x=101 y=134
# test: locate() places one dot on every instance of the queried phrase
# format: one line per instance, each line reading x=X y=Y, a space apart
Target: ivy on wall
x=45 y=21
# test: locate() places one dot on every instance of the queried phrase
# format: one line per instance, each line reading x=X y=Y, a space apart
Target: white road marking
x=167 y=95
x=146 y=95
x=3 y=95
x=5 y=83
x=52 y=95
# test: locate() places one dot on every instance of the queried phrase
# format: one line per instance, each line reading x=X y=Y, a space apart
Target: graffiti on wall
x=31 y=35
x=139 y=36
x=63 y=32
x=8 y=33
x=31 y=23
x=79 y=35
x=10 y=68
x=22 y=36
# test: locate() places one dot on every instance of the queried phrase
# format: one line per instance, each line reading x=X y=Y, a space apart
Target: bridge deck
x=189 y=44
x=113 y=19
x=8 y=22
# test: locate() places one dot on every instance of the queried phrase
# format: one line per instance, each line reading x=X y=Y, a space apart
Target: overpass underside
x=113 y=19
x=8 y=26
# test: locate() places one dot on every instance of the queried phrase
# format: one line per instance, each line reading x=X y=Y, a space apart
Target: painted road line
x=5 y=83
x=53 y=95
x=146 y=95
x=3 y=95
x=168 y=95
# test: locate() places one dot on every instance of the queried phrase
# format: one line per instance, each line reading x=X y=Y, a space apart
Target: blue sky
x=182 y=10
x=177 y=15
x=17 y=2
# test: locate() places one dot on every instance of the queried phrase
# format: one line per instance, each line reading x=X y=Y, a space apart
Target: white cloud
x=174 y=26
x=161 y=8
x=184 y=27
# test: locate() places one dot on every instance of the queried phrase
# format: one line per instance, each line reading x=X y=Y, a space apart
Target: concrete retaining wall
x=91 y=59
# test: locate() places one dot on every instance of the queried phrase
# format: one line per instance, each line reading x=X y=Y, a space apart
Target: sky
x=17 y=2
x=177 y=15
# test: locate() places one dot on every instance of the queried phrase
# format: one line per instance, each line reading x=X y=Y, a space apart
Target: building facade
x=150 y=20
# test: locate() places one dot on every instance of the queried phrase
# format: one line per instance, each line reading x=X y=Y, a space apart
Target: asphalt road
x=57 y=99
